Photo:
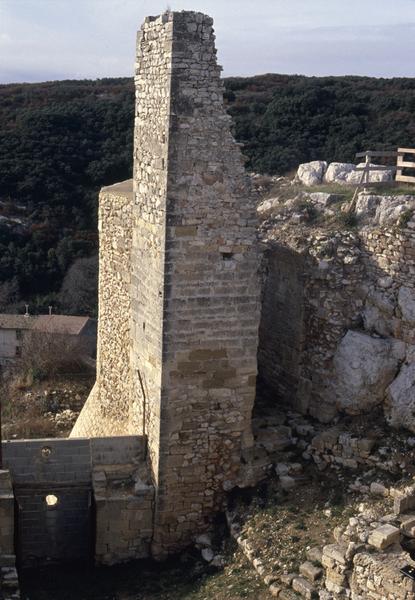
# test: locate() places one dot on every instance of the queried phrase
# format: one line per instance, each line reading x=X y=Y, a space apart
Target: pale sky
x=44 y=40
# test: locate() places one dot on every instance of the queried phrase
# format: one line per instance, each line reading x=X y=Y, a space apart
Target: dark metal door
x=53 y=523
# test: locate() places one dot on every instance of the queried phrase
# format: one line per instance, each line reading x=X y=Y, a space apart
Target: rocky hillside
x=334 y=417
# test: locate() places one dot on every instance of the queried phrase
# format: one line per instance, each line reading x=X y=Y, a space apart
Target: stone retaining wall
x=361 y=281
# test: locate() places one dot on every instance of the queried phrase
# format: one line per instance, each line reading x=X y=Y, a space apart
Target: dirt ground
x=44 y=409
x=282 y=526
x=185 y=578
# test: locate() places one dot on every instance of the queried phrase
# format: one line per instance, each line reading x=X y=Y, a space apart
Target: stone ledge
x=123 y=188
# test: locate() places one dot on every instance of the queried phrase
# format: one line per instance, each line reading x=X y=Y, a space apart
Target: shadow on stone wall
x=337 y=326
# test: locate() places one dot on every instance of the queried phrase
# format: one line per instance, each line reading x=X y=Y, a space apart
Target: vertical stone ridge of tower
x=199 y=357
x=151 y=137
x=107 y=409
x=180 y=367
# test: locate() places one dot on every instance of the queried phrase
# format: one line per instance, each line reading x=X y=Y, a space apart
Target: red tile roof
x=70 y=325
x=60 y=324
x=15 y=322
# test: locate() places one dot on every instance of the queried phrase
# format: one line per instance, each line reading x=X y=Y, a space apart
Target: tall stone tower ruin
x=179 y=287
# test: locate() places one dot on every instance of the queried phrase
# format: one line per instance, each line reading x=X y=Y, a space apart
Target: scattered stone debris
x=371 y=541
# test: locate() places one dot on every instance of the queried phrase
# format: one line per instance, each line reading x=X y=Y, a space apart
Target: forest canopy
x=61 y=141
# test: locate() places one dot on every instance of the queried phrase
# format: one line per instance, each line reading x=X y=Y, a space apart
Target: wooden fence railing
x=401 y=165
x=405 y=164
x=368 y=168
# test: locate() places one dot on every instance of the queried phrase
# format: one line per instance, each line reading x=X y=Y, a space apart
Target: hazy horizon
x=54 y=40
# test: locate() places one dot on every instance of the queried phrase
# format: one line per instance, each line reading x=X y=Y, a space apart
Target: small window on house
x=19 y=334
x=18 y=351
x=227 y=255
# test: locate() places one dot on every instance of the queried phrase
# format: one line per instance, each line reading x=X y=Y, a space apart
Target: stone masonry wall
x=107 y=410
x=151 y=138
x=328 y=303
x=6 y=516
x=195 y=284
x=123 y=497
x=182 y=262
x=281 y=340
x=390 y=265
x=360 y=280
x=110 y=472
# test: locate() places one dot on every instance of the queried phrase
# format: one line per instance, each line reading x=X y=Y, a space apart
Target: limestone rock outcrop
x=320 y=202
x=406 y=301
x=378 y=314
x=383 y=210
x=311 y=173
x=364 y=366
x=269 y=206
x=317 y=172
x=338 y=172
x=400 y=402
x=383 y=175
x=348 y=174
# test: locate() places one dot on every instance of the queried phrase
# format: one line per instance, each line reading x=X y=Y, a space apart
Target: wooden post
x=367 y=168
x=365 y=174
x=402 y=164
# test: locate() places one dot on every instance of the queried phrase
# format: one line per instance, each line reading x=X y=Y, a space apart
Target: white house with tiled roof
x=14 y=327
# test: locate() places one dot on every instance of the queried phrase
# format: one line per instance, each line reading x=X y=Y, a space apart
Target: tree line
x=61 y=141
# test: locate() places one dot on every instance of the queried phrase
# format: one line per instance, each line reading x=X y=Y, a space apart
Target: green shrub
x=348 y=220
x=405 y=218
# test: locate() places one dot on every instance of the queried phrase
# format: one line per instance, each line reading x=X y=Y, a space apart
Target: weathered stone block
x=304 y=588
x=378 y=489
x=408 y=524
x=400 y=400
x=364 y=366
x=314 y=554
x=403 y=503
x=185 y=230
x=275 y=590
x=336 y=553
x=384 y=536
x=310 y=571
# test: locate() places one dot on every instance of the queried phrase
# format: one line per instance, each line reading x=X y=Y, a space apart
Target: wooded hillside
x=61 y=141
